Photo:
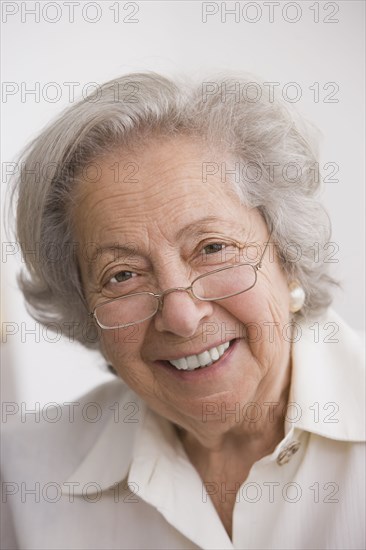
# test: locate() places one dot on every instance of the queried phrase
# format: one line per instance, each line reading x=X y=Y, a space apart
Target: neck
x=257 y=434
x=224 y=459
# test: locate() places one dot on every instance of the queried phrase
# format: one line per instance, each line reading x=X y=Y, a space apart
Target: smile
x=205 y=359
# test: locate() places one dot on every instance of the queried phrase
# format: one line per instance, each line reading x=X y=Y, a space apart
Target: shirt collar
x=326 y=398
x=327 y=393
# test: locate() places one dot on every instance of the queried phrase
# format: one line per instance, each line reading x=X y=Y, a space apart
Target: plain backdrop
x=317 y=45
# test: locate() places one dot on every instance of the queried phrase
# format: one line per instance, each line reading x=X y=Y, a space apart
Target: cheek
x=262 y=314
x=272 y=295
x=121 y=347
x=253 y=307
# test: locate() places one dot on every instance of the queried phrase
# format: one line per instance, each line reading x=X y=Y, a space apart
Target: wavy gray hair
x=266 y=137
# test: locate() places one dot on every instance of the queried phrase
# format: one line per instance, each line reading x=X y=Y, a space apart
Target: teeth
x=204 y=359
x=192 y=362
x=215 y=354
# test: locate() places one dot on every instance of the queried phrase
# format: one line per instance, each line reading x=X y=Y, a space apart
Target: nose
x=181 y=313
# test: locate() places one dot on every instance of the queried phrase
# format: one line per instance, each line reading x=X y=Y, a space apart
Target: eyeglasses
x=213 y=286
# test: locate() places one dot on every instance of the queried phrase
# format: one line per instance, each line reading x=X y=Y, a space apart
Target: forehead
x=165 y=184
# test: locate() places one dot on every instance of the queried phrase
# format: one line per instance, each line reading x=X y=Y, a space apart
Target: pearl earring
x=297 y=296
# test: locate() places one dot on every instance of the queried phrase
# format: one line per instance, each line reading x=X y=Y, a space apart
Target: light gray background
x=171 y=38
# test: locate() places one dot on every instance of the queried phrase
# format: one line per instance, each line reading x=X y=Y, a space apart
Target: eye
x=121 y=277
x=213 y=248
x=219 y=253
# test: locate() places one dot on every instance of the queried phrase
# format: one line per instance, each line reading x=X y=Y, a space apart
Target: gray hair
x=270 y=143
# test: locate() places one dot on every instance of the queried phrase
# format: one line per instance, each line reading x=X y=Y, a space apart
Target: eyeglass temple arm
x=259 y=264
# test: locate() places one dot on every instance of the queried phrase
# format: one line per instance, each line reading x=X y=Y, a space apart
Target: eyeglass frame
x=189 y=289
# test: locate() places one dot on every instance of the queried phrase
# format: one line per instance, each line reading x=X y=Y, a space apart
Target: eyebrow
x=127 y=249
x=200 y=226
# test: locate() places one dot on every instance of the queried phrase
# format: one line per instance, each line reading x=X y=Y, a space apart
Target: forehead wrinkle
x=177 y=175
x=146 y=228
x=93 y=211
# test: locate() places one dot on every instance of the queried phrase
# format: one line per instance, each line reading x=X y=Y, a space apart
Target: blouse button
x=287 y=452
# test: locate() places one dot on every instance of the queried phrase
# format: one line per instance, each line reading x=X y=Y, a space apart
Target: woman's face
x=162 y=231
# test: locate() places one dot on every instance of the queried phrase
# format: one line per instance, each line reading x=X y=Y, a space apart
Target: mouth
x=200 y=361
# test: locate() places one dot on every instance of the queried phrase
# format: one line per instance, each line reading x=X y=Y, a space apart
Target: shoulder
x=56 y=437
x=328 y=378
x=330 y=329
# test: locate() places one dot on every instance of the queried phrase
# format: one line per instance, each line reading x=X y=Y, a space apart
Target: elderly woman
x=179 y=234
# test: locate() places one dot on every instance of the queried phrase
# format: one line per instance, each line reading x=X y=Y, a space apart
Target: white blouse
x=105 y=472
